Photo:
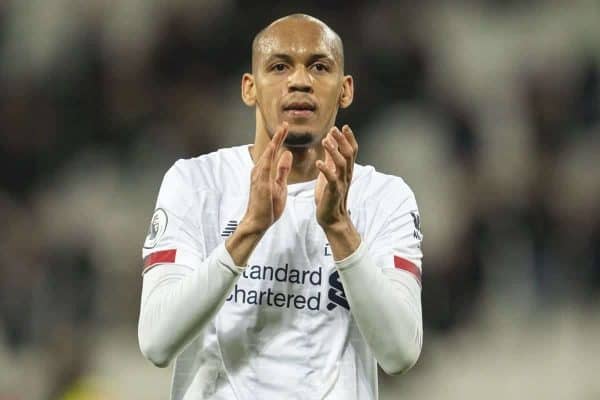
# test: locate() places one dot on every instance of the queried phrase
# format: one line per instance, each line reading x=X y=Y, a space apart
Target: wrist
x=343 y=238
x=242 y=242
x=337 y=227
x=249 y=227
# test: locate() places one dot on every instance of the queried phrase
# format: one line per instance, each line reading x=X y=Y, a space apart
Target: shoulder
x=208 y=171
x=375 y=187
x=388 y=205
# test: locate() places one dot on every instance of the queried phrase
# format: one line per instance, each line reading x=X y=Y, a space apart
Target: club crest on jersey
x=158 y=225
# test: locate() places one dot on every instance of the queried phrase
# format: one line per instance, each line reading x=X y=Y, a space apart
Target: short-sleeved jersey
x=286 y=329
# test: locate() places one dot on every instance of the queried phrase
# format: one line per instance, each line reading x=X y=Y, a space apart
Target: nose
x=300 y=80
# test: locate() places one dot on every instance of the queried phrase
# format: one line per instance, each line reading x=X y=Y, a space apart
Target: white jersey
x=286 y=330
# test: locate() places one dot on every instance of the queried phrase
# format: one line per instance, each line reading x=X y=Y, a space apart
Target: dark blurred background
x=490 y=110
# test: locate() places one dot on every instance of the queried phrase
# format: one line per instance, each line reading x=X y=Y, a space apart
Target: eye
x=279 y=67
x=320 y=67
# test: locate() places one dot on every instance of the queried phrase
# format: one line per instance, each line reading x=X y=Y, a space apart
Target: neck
x=303 y=165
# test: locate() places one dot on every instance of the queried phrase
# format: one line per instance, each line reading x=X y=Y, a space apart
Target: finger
x=331 y=148
x=346 y=150
x=351 y=139
x=344 y=145
x=284 y=166
x=266 y=159
x=267 y=154
x=280 y=136
x=328 y=160
x=328 y=172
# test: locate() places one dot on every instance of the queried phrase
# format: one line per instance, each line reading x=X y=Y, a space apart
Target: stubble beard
x=300 y=139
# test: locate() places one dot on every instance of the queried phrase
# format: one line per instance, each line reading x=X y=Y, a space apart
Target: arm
x=182 y=291
x=177 y=302
x=385 y=303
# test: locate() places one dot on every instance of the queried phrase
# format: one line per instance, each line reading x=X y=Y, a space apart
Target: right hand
x=268 y=184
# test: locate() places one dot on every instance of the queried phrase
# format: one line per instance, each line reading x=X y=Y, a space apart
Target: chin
x=300 y=138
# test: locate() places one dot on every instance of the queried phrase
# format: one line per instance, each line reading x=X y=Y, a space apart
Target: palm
x=321 y=188
x=335 y=175
x=279 y=184
x=268 y=183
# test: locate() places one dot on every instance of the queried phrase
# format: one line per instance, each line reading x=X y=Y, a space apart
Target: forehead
x=297 y=38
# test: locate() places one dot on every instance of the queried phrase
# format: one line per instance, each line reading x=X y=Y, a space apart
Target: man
x=282 y=269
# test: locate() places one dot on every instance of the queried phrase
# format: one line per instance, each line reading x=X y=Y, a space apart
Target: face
x=298 y=78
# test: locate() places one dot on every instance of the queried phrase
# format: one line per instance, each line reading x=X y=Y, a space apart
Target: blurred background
x=490 y=110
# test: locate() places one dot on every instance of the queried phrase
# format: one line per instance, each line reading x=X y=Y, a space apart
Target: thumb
x=284 y=166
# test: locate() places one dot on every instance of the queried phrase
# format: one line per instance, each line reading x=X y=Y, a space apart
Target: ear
x=248 y=90
x=347 y=94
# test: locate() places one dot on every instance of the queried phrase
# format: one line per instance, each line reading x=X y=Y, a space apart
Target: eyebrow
x=289 y=59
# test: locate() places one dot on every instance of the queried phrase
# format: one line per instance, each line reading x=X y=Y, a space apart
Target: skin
x=298 y=60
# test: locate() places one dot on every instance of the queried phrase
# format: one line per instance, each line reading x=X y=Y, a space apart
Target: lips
x=299 y=109
x=298 y=104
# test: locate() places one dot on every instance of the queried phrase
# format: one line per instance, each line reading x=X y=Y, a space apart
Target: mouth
x=298 y=109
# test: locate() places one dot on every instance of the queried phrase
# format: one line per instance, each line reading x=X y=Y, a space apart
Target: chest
x=290 y=297
x=296 y=235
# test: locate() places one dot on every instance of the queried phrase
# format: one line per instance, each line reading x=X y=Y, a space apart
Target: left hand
x=333 y=183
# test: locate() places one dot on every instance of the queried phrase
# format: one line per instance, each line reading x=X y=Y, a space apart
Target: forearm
x=386 y=308
x=177 y=306
x=385 y=305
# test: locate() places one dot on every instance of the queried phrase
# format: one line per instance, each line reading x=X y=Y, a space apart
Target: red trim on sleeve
x=159 y=257
x=402 y=263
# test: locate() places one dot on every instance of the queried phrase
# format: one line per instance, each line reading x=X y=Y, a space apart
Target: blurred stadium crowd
x=490 y=110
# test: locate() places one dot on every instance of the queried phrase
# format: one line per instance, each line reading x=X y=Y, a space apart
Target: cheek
x=264 y=89
x=270 y=97
x=333 y=98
